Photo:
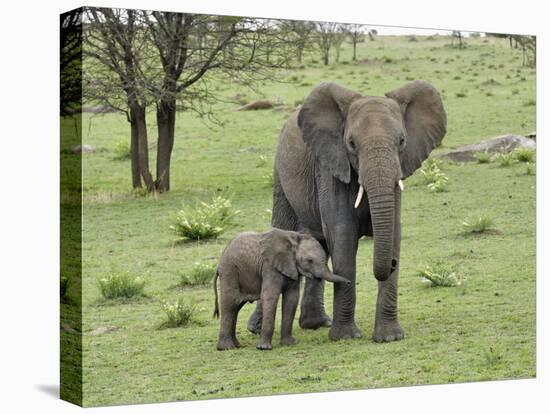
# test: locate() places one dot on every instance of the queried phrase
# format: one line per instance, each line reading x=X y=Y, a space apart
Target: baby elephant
x=262 y=266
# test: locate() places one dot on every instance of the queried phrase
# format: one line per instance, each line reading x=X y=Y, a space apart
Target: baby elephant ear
x=279 y=251
x=425 y=122
x=321 y=121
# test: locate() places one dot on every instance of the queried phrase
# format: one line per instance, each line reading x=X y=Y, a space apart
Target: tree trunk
x=354 y=51
x=134 y=153
x=138 y=115
x=166 y=121
x=325 y=57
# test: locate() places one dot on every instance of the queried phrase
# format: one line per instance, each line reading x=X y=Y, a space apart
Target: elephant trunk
x=381 y=184
x=334 y=278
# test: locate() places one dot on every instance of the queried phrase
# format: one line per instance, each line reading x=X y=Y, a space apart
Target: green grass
x=200 y=274
x=479 y=223
x=121 y=285
x=441 y=275
x=178 y=314
x=448 y=331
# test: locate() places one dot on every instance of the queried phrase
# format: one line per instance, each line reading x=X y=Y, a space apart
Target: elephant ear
x=321 y=120
x=278 y=249
x=425 y=122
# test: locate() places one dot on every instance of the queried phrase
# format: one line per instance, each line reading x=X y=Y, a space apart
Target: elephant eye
x=351 y=144
x=401 y=141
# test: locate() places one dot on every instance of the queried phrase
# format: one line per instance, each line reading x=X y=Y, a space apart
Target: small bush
x=530 y=102
x=262 y=161
x=200 y=275
x=268 y=179
x=441 y=275
x=530 y=168
x=205 y=221
x=504 y=159
x=435 y=179
x=483 y=157
x=461 y=94
x=478 y=223
x=121 y=285
x=178 y=313
x=524 y=154
x=122 y=150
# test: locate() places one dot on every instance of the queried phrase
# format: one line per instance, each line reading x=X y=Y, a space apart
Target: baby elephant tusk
x=401 y=186
x=359 y=196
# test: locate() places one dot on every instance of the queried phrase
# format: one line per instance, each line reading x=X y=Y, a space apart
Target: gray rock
x=103 y=330
x=255 y=105
x=503 y=143
x=83 y=149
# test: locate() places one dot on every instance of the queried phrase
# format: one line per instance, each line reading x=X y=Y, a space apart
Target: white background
x=29 y=213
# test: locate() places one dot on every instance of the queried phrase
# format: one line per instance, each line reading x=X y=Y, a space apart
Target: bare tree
x=339 y=36
x=326 y=31
x=456 y=34
x=115 y=41
x=301 y=32
x=356 y=34
x=70 y=69
x=162 y=58
x=528 y=46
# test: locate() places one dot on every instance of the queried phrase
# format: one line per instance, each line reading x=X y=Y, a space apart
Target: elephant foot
x=388 y=332
x=255 y=323
x=225 y=344
x=315 y=321
x=264 y=345
x=347 y=331
x=289 y=340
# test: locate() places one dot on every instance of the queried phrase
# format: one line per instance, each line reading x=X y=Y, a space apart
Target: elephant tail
x=216 y=306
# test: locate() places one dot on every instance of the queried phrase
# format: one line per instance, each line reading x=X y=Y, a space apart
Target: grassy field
x=483 y=329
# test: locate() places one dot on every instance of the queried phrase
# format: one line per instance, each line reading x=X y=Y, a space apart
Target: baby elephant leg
x=290 y=302
x=269 y=309
x=228 y=339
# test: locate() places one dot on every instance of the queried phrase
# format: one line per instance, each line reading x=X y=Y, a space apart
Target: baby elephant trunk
x=334 y=278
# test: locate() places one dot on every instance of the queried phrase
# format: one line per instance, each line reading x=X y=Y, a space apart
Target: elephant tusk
x=359 y=196
x=401 y=186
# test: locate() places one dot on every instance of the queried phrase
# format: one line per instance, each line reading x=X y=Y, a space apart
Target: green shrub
x=504 y=159
x=483 y=157
x=205 y=221
x=524 y=154
x=530 y=102
x=435 y=179
x=201 y=274
x=461 y=94
x=122 y=150
x=262 y=161
x=268 y=179
x=121 y=285
x=441 y=275
x=178 y=313
x=530 y=168
x=478 y=223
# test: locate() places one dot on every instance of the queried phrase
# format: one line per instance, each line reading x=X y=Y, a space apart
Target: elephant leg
x=290 y=302
x=343 y=251
x=255 y=320
x=386 y=324
x=312 y=309
x=227 y=338
x=269 y=310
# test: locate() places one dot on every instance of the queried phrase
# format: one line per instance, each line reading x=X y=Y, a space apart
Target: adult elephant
x=338 y=172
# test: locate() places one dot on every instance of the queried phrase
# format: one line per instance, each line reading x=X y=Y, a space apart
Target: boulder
x=503 y=143
x=255 y=105
x=83 y=149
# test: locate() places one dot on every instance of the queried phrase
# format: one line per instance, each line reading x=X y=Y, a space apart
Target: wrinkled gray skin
x=255 y=266
x=337 y=141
